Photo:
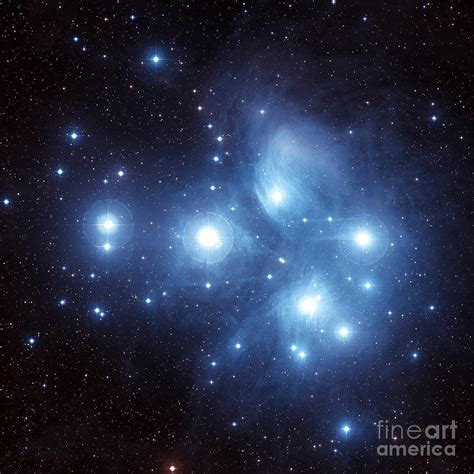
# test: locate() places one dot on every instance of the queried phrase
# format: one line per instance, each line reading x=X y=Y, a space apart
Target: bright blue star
x=155 y=59
x=302 y=355
x=62 y=302
x=74 y=135
x=6 y=201
x=31 y=341
x=346 y=429
x=76 y=39
x=59 y=171
x=96 y=310
x=343 y=332
x=434 y=118
x=208 y=285
x=148 y=301
x=238 y=346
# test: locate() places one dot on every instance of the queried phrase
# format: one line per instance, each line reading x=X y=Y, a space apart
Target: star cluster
x=234 y=234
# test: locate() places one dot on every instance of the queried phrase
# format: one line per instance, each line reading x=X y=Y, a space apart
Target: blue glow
x=74 y=135
x=76 y=39
x=344 y=332
x=6 y=201
x=155 y=59
x=148 y=301
x=346 y=429
x=62 y=302
x=238 y=346
x=308 y=305
x=60 y=171
x=363 y=239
